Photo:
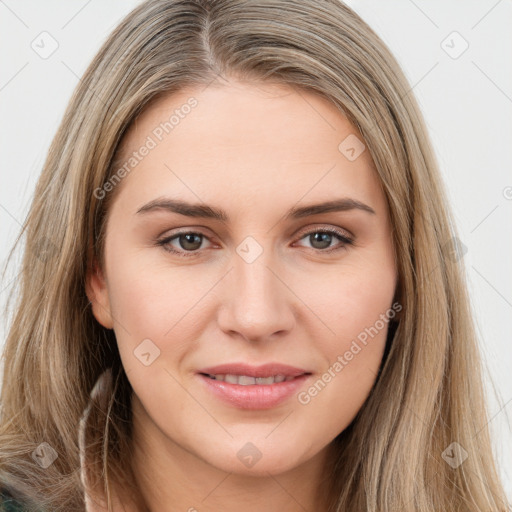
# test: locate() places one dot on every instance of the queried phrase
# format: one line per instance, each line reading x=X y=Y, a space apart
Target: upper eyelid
x=313 y=229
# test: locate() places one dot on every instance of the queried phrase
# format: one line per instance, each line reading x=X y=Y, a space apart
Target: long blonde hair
x=429 y=392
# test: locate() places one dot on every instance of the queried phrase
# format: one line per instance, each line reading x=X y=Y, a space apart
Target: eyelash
x=345 y=241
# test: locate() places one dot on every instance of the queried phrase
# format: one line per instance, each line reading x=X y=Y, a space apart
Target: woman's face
x=223 y=258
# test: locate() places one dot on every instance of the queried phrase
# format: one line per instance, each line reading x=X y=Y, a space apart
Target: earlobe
x=97 y=293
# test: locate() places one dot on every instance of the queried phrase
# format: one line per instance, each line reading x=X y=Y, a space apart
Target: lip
x=265 y=370
x=254 y=396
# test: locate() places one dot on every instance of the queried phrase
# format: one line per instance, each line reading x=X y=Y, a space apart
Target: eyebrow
x=211 y=212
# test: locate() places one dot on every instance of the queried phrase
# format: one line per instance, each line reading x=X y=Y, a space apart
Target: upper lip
x=265 y=370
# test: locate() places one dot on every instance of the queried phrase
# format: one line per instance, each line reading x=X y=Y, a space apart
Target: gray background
x=466 y=98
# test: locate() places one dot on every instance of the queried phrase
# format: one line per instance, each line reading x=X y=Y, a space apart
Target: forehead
x=254 y=141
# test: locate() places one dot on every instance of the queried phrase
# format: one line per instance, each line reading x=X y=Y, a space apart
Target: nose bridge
x=258 y=305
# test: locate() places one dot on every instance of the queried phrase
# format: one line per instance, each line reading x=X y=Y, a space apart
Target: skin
x=255 y=150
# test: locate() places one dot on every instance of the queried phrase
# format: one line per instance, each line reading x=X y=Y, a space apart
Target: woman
x=241 y=283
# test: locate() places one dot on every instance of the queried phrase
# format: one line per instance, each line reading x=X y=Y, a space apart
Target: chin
x=258 y=458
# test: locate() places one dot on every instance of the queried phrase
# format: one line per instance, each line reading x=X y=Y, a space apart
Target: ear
x=97 y=293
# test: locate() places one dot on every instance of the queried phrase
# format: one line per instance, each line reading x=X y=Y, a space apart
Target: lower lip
x=256 y=396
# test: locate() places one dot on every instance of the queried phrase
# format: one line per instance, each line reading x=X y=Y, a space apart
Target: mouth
x=247 y=380
x=249 y=387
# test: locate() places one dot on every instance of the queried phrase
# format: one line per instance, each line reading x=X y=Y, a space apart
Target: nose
x=257 y=300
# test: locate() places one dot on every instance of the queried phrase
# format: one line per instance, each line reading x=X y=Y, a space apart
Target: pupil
x=323 y=238
x=188 y=239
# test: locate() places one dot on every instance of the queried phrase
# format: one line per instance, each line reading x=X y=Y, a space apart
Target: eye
x=321 y=239
x=186 y=242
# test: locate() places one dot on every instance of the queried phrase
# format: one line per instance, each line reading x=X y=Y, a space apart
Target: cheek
x=351 y=300
x=359 y=306
x=156 y=322
x=148 y=296
x=149 y=302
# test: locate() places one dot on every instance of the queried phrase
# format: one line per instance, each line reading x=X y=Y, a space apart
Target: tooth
x=265 y=380
x=244 y=380
x=232 y=379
